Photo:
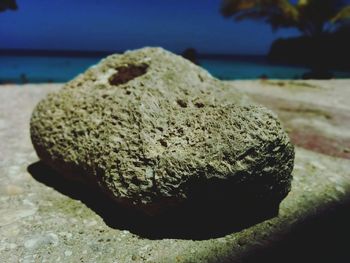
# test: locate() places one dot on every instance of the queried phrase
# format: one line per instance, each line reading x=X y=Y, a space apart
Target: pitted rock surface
x=153 y=131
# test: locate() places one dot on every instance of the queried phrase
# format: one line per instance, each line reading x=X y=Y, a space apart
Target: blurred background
x=52 y=41
x=258 y=40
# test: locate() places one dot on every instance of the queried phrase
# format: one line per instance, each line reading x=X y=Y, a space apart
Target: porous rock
x=154 y=131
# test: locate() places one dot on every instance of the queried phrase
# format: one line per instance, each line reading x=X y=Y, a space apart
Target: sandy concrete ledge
x=315 y=113
x=47 y=221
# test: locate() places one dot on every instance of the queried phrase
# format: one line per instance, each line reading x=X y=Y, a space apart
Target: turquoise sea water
x=20 y=69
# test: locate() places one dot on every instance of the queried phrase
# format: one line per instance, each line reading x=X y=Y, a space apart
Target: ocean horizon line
x=103 y=53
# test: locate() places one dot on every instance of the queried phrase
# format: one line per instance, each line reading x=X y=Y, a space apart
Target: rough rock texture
x=154 y=130
x=44 y=218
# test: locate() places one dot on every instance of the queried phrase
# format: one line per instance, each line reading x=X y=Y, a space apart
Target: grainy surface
x=154 y=130
x=46 y=222
x=315 y=113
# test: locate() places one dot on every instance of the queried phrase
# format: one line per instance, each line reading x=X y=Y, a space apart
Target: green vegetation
x=311 y=17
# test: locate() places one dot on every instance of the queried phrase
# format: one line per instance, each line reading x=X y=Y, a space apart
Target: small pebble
x=13 y=189
x=44 y=240
x=68 y=253
x=12 y=246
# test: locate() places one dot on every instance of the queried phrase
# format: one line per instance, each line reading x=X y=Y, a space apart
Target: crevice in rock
x=126 y=73
x=199 y=104
x=181 y=103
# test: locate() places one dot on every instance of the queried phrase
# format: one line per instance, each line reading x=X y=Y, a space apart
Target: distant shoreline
x=54 y=53
x=40 y=66
x=81 y=53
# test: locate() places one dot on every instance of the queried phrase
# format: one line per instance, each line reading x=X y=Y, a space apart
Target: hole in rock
x=181 y=103
x=127 y=73
x=163 y=142
x=199 y=104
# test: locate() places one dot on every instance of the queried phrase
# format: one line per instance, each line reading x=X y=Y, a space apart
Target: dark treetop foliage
x=311 y=17
x=8 y=4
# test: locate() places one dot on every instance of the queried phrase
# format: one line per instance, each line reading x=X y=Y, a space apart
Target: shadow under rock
x=192 y=222
x=322 y=237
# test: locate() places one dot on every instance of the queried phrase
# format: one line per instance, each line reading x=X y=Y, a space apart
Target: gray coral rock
x=153 y=131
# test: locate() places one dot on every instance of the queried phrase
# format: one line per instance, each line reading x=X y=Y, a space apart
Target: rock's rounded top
x=153 y=130
x=157 y=72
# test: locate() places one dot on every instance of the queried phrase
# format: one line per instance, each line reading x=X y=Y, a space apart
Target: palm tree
x=311 y=17
x=8 y=4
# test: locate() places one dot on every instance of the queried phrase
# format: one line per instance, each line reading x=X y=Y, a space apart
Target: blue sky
x=120 y=25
